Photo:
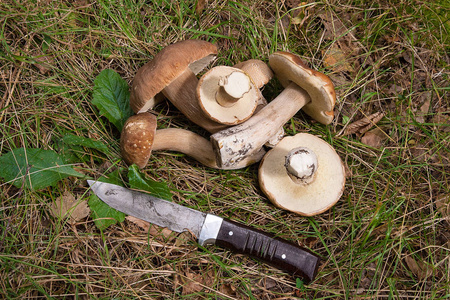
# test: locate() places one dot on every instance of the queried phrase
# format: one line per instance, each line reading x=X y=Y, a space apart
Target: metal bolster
x=210 y=230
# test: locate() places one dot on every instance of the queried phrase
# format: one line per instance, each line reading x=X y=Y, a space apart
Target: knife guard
x=275 y=251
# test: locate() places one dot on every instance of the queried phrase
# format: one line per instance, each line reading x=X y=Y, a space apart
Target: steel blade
x=149 y=208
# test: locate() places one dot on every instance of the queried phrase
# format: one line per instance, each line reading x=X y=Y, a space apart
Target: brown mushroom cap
x=136 y=140
x=167 y=65
x=209 y=91
x=304 y=199
x=289 y=68
x=258 y=71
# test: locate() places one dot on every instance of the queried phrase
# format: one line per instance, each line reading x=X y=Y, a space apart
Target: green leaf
x=34 y=168
x=75 y=140
x=345 y=119
x=138 y=181
x=299 y=284
x=66 y=152
x=103 y=214
x=111 y=97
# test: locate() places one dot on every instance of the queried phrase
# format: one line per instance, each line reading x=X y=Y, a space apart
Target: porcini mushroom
x=304 y=88
x=140 y=137
x=227 y=95
x=258 y=71
x=302 y=174
x=173 y=72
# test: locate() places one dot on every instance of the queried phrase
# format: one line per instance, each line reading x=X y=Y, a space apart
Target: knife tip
x=90 y=182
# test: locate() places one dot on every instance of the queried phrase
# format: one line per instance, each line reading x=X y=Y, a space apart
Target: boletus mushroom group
x=301 y=173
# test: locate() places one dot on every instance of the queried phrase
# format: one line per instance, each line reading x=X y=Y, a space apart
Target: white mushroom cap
x=227 y=95
x=305 y=199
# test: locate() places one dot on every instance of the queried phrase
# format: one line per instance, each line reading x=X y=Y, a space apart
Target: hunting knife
x=211 y=229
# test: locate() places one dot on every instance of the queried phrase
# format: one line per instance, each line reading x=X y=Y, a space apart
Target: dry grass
x=388 y=237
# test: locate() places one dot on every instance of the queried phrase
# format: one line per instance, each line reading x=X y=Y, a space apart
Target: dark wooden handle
x=275 y=251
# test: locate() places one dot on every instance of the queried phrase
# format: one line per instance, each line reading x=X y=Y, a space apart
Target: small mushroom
x=259 y=72
x=173 y=72
x=302 y=174
x=140 y=137
x=227 y=95
x=304 y=88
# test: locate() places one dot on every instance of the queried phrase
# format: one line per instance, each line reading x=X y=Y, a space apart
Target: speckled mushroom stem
x=261 y=74
x=195 y=146
x=182 y=93
x=238 y=142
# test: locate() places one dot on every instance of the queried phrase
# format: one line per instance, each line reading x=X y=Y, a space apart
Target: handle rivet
x=230 y=233
x=283 y=256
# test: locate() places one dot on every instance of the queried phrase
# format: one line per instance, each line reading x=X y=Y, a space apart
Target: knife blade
x=211 y=229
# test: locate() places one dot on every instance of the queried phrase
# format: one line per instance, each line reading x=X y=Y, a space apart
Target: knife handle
x=272 y=250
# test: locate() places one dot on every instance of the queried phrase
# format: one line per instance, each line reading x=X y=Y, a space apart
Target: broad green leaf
x=75 y=140
x=111 y=97
x=103 y=214
x=66 y=152
x=138 y=181
x=34 y=168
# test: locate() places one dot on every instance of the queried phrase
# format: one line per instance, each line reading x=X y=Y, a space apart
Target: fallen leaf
x=419 y=151
x=420 y=269
x=153 y=230
x=334 y=28
x=44 y=63
x=441 y=122
x=363 y=125
x=195 y=282
x=300 y=15
x=292 y=3
x=67 y=206
x=374 y=138
x=228 y=290
x=443 y=205
x=346 y=47
x=200 y=6
x=192 y=283
x=144 y=225
x=336 y=59
x=422 y=111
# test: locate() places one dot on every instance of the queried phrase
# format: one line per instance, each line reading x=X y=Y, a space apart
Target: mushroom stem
x=232 y=88
x=182 y=93
x=301 y=165
x=237 y=142
x=261 y=74
x=195 y=146
x=186 y=142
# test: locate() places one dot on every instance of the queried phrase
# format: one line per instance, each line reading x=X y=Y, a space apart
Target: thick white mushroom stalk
x=301 y=165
